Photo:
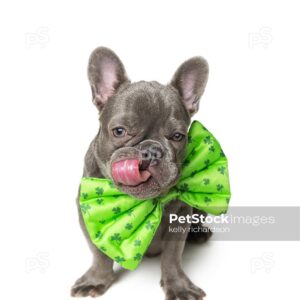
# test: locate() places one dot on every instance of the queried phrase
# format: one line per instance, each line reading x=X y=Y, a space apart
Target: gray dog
x=143 y=124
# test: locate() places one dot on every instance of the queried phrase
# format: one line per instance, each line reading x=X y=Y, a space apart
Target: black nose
x=150 y=155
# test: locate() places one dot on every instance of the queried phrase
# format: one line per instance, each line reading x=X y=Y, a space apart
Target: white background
x=251 y=105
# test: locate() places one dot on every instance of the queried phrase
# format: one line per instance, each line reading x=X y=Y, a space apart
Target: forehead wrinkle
x=123 y=119
x=142 y=101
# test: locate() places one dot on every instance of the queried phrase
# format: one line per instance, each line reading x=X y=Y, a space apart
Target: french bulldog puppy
x=140 y=146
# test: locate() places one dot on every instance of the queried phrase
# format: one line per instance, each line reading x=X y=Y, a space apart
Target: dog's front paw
x=92 y=284
x=181 y=288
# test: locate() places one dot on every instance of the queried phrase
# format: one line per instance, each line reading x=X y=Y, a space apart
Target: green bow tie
x=123 y=227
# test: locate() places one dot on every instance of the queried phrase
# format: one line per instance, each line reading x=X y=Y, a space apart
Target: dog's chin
x=147 y=189
x=144 y=190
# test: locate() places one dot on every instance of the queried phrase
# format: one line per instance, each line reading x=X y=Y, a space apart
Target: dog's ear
x=106 y=73
x=190 y=80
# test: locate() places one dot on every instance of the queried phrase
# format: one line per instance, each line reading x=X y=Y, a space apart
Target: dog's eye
x=119 y=132
x=177 y=136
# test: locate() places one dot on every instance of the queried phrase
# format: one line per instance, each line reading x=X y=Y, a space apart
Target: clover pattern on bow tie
x=101 y=215
x=122 y=227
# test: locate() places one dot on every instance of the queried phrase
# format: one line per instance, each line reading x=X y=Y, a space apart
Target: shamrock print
x=186 y=163
x=98 y=234
x=128 y=226
x=84 y=195
x=116 y=210
x=119 y=259
x=149 y=225
x=207 y=162
x=130 y=212
x=99 y=201
x=111 y=184
x=219 y=187
x=137 y=243
x=211 y=149
x=103 y=249
x=190 y=140
x=207 y=200
x=138 y=256
x=99 y=191
x=194 y=173
x=222 y=170
x=206 y=181
x=183 y=188
x=207 y=140
x=85 y=207
x=222 y=154
x=116 y=237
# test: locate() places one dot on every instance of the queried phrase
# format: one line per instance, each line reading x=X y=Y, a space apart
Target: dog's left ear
x=190 y=80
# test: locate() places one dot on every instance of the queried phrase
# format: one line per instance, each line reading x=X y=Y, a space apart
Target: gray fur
x=151 y=113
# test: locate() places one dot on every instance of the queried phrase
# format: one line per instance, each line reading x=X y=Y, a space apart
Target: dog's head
x=143 y=125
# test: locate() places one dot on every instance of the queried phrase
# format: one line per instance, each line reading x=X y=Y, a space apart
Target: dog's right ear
x=106 y=73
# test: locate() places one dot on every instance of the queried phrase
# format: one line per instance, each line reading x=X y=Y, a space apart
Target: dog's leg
x=174 y=281
x=99 y=276
x=202 y=234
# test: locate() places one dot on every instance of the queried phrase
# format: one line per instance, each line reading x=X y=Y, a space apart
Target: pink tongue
x=127 y=172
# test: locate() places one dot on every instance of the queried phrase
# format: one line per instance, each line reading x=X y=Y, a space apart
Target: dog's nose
x=151 y=154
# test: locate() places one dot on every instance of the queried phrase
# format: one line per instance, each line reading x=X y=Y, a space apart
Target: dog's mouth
x=134 y=177
x=130 y=172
